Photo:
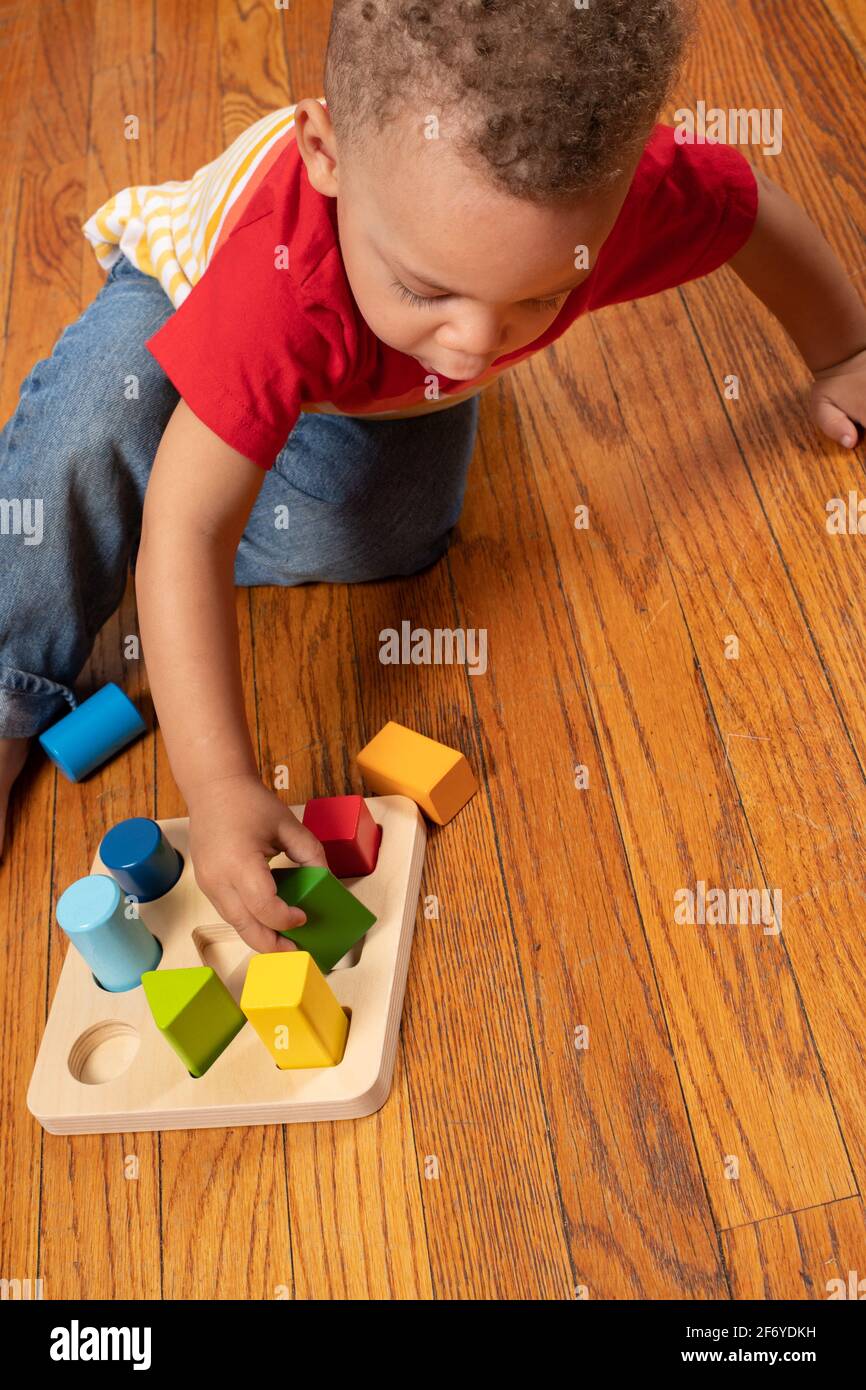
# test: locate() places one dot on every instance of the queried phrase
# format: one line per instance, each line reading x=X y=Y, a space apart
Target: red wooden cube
x=349 y=835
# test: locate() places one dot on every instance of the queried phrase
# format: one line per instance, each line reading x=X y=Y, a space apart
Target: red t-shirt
x=253 y=343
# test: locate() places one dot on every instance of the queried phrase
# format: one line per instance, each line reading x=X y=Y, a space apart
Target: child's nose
x=476 y=332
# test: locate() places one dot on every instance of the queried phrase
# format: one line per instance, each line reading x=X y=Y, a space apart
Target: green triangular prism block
x=169 y=992
x=194 y=1012
x=335 y=917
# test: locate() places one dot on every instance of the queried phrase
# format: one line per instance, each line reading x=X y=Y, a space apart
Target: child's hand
x=236 y=826
x=838 y=401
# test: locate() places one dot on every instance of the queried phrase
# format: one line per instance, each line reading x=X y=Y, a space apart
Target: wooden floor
x=711 y=1139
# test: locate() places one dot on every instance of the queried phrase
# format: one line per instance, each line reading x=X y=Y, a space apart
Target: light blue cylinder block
x=117 y=948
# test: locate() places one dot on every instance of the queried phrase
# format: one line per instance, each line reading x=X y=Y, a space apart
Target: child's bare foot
x=13 y=755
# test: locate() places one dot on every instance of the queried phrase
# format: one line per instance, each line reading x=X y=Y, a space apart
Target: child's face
x=443 y=266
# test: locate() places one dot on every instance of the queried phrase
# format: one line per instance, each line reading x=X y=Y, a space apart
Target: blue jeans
x=363 y=499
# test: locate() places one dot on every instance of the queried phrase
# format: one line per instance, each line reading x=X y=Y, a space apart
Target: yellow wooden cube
x=438 y=778
x=294 y=1011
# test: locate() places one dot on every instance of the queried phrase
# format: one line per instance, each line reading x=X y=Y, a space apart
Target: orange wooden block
x=438 y=778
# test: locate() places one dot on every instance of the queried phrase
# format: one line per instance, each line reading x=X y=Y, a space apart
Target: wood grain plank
x=305 y=35
x=122 y=33
x=17 y=58
x=95 y=1224
x=253 y=70
x=25 y=892
x=225 y=1233
x=751 y=1078
x=25 y=895
x=631 y=1185
x=850 y=16
x=190 y=40
x=25 y=869
x=785 y=588
x=788 y=749
x=814 y=1254
x=798 y=777
x=357 y=1220
x=58 y=124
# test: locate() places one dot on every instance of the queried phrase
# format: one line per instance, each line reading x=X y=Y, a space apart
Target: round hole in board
x=103 y=1052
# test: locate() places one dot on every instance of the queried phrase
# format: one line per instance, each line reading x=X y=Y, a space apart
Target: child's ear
x=317 y=144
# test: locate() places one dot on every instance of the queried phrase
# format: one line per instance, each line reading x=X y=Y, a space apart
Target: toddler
x=302 y=330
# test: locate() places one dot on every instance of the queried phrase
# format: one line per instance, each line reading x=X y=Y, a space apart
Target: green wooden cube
x=194 y=1012
x=335 y=917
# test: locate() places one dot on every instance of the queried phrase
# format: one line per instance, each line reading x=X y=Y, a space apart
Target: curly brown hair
x=552 y=101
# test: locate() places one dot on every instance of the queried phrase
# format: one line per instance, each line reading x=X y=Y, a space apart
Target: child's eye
x=422 y=301
x=548 y=303
x=408 y=296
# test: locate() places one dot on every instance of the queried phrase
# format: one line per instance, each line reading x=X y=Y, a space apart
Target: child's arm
x=199 y=497
x=788 y=264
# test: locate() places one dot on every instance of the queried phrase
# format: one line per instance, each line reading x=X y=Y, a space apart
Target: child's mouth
x=466 y=373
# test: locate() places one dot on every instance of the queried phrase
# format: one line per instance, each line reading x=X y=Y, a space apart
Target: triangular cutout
x=226 y=953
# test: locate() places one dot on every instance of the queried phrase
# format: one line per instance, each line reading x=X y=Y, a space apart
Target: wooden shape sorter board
x=104 y=1068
